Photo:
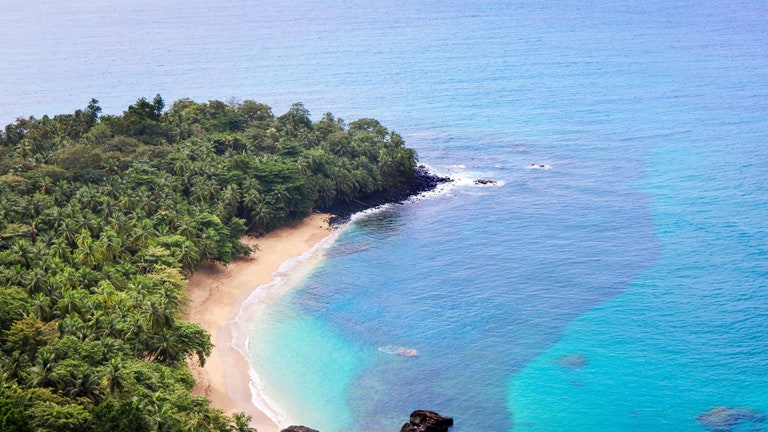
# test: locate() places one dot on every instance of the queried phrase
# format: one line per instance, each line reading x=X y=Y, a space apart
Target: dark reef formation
x=422 y=181
x=427 y=421
x=573 y=361
x=725 y=419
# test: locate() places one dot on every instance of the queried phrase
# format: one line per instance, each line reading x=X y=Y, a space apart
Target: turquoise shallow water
x=641 y=247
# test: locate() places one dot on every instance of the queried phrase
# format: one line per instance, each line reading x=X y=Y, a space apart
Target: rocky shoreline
x=422 y=181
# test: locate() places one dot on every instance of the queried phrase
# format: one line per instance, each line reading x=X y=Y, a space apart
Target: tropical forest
x=104 y=217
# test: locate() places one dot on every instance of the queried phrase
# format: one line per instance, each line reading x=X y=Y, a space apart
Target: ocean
x=614 y=278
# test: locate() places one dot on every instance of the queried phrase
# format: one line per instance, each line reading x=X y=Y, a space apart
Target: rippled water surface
x=621 y=286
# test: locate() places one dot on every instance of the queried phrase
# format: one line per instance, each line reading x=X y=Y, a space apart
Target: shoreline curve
x=215 y=296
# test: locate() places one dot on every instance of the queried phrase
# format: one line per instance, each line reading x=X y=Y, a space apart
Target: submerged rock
x=573 y=361
x=724 y=419
x=298 y=429
x=401 y=351
x=407 y=352
x=427 y=421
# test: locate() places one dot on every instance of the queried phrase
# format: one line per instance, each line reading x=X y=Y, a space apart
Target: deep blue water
x=641 y=250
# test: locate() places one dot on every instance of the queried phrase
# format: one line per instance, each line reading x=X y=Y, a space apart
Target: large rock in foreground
x=427 y=421
x=298 y=429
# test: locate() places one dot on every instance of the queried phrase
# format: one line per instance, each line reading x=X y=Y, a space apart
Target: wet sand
x=215 y=295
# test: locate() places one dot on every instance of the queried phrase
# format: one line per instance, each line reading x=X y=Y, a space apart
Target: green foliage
x=16 y=183
x=123 y=416
x=102 y=217
x=27 y=335
x=13 y=303
x=51 y=417
x=13 y=418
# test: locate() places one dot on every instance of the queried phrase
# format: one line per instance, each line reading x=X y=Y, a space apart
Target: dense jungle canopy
x=102 y=217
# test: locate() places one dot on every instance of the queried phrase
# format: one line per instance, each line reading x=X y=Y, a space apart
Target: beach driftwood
x=427 y=421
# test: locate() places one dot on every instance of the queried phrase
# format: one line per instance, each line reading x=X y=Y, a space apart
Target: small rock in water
x=402 y=351
x=540 y=166
x=485 y=181
x=298 y=429
x=573 y=361
x=725 y=419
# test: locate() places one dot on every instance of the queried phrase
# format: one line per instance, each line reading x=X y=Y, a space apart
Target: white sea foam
x=361 y=215
x=462 y=178
x=259 y=397
x=288 y=275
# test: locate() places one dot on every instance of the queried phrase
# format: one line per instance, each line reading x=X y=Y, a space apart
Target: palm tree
x=86 y=196
x=117 y=223
x=87 y=251
x=60 y=249
x=262 y=215
x=134 y=331
x=231 y=198
x=54 y=217
x=200 y=419
x=73 y=325
x=115 y=376
x=109 y=245
x=280 y=195
x=110 y=346
x=43 y=373
x=84 y=384
x=241 y=422
x=251 y=199
x=85 y=221
x=159 y=314
x=185 y=227
x=145 y=202
x=160 y=413
x=67 y=230
x=38 y=281
x=107 y=207
x=105 y=325
x=22 y=250
x=87 y=278
x=188 y=257
x=15 y=367
x=40 y=306
x=163 y=347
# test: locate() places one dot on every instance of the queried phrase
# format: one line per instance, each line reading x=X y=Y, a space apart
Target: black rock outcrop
x=422 y=181
x=427 y=421
x=485 y=182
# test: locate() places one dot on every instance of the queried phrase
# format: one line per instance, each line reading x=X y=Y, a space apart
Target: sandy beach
x=215 y=294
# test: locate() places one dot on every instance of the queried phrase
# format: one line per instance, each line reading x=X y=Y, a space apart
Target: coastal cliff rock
x=298 y=429
x=427 y=421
